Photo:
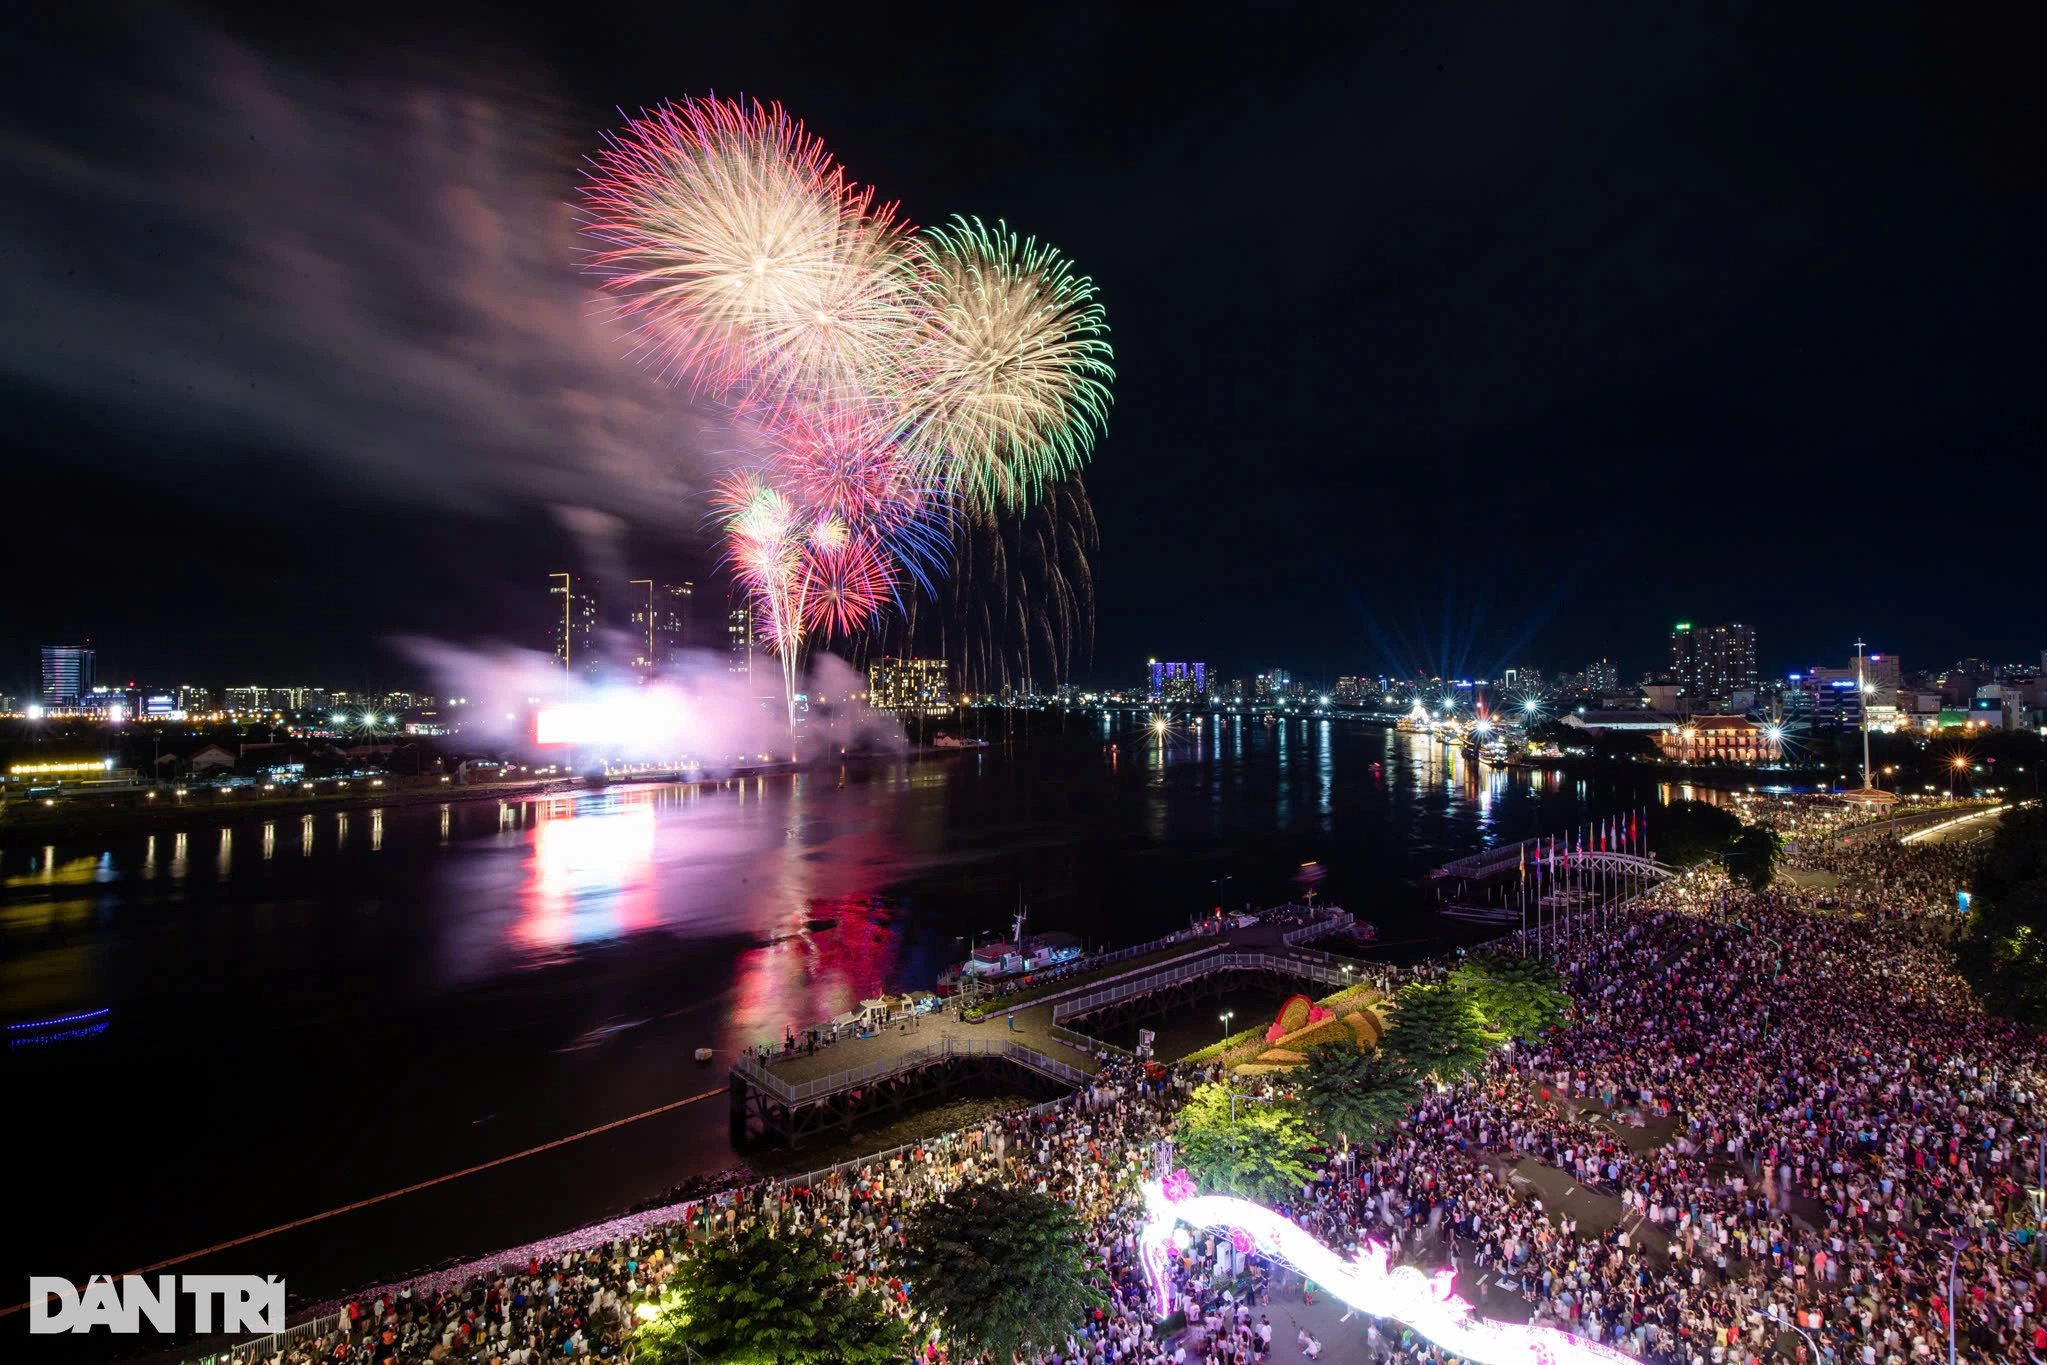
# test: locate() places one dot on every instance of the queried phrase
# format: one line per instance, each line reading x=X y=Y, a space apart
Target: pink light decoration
x=1367 y=1282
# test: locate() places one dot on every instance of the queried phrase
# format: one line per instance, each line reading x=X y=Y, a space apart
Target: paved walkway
x=1030 y=1024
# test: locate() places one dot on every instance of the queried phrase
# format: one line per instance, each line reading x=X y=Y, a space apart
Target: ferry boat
x=1415 y=722
x=1495 y=754
x=1449 y=733
x=1020 y=955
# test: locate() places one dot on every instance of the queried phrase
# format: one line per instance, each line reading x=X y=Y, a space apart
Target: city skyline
x=1449 y=358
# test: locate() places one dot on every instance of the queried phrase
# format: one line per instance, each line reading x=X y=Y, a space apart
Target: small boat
x=703 y=1054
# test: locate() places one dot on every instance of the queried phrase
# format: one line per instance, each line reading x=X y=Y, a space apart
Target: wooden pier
x=1039 y=1045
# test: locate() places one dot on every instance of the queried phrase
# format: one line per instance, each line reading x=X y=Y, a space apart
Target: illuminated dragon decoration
x=1366 y=1282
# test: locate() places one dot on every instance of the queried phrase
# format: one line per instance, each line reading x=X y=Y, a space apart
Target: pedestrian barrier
x=808 y=1092
x=1302 y=964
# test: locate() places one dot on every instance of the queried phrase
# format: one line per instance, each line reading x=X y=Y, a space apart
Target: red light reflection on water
x=592 y=872
x=835 y=953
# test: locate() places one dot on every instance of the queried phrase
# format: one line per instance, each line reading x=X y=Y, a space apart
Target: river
x=306 y=1012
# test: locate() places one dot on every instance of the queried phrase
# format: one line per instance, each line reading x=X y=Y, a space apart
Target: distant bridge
x=1540 y=853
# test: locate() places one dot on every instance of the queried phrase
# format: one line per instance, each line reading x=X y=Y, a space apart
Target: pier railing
x=806 y=1092
x=1307 y=933
x=1303 y=964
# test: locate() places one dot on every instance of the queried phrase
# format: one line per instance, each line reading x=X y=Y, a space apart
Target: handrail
x=1306 y=964
x=1322 y=928
x=804 y=1092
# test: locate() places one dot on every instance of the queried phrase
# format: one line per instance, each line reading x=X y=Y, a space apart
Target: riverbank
x=25 y=825
x=31 y=823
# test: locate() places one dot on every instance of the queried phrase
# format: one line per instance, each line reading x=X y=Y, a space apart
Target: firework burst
x=847 y=581
x=742 y=256
x=915 y=395
x=1011 y=369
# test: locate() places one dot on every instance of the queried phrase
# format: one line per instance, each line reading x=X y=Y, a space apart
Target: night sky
x=1442 y=343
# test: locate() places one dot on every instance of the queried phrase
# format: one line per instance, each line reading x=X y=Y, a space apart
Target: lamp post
x=1961 y=1243
x=1226 y=1016
x=1783 y=1319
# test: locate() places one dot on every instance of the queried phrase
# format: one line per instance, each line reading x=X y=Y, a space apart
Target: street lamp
x=1784 y=1319
x=1961 y=1243
x=1226 y=1016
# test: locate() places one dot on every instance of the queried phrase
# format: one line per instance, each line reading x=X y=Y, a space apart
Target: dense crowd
x=1774 y=1124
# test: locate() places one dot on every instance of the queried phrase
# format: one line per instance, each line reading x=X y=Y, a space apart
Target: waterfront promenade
x=803 y=1089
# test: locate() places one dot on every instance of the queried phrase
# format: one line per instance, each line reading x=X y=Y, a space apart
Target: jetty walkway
x=1039 y=1043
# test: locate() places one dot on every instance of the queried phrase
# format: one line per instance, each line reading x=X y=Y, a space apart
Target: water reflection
x=591 y=873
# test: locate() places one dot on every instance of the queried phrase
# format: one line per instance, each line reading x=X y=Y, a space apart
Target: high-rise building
x=1831 y=696
x=1687 y=659
x=640 y=617
x=1730 y=660
x=739 y=643
x=573 y=632
x=1602 y=678
x=1717 y=661
x=1274 y=686
x=674 y=620
x=67 y=675
x=1177 y=681
x=1884 y=672
x=908 y=685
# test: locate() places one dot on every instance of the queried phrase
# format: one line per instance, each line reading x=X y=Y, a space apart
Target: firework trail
x=746 y=262
x=1012 y=364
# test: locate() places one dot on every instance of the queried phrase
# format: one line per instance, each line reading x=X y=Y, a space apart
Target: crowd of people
x=1775 y=1124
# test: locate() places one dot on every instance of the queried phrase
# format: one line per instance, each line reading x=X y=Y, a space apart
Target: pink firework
x=845 y=585
x=743 y=257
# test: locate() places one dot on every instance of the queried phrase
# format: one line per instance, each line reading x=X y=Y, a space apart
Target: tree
x=1752 y=857
x=1003 y=1270
x=1687 y=832
x=1519 y=997
x=2004 y=955
x=760 y=1299
x=1437 y=1032
x=1353 y=1093
x=1259 y=1152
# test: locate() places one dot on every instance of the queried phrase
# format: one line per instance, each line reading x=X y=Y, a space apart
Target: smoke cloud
x=701 y=710
x=374 y=275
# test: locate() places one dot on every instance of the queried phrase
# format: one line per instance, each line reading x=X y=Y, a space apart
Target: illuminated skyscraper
x=908 y=685
x=67 y=675
x=674 y=613
x=574 y=630
x=660 y=621
x=1687 y=660
x=739 y=644
x=1730 y=660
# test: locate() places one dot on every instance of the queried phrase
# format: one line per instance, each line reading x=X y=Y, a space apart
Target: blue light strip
x=52 y=1023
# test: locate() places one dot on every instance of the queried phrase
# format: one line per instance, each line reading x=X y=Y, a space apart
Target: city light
x=97 y=765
